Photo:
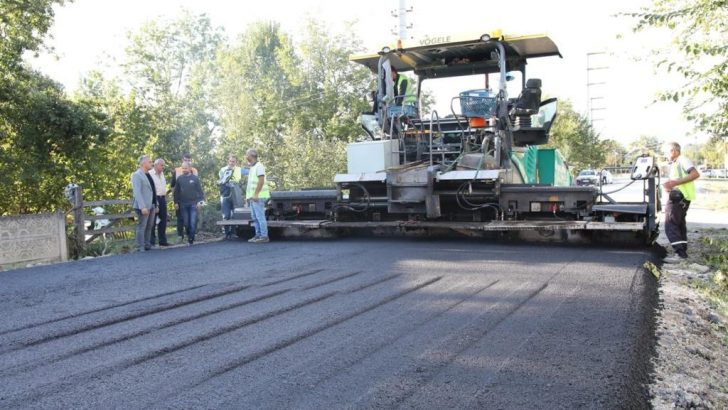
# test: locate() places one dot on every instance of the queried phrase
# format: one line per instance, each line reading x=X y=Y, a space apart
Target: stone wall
x=33 y=238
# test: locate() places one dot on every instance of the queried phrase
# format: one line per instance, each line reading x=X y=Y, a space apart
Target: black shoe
x=164 y=244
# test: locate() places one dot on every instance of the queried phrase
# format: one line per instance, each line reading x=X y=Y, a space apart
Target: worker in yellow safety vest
x=404 y=91
x=257 y=193
x=681 y=190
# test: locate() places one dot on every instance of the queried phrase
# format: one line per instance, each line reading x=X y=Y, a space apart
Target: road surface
x=352 y=323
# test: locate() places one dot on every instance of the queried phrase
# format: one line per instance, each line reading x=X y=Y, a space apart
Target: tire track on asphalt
x=109 y=342
x=318 y=329
x=389 y=394
x=88 y=312
x=44 y=361
x=125 y=318
x=145 y=312
x=294 y=277
x=318 y=369
x=43 y=390
x=349 y=275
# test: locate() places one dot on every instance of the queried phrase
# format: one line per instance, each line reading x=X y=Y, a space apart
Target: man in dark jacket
x=188 y=198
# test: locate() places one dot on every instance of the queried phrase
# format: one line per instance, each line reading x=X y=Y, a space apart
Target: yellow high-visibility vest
x=253 y=183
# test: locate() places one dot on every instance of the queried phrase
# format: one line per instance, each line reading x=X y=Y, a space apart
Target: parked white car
x=591 y=177
x=717 y=173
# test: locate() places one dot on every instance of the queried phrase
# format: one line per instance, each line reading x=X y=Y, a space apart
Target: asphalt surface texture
x=348 y=323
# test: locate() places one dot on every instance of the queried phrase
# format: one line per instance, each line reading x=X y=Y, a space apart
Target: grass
x=712 y=194
x=714 y=250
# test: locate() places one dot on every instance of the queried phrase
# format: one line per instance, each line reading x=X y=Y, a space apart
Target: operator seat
x=527 y=103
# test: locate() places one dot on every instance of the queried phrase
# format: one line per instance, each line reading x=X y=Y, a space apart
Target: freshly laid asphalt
x=349 y=323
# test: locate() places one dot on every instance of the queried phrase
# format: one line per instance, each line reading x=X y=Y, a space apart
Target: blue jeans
x=257 y=212
x=226 y=203
x=189 y=216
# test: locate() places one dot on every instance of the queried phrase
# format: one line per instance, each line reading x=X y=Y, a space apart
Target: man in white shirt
x=160 y=190
x=257 y=194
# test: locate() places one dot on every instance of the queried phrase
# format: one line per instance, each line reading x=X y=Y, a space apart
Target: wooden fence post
x=78 y=218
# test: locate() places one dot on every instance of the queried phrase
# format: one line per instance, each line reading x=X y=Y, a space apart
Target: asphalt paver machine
x=478 y=170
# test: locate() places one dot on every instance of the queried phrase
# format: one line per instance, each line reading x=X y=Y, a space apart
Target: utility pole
x=594 y=94
x=401 y=29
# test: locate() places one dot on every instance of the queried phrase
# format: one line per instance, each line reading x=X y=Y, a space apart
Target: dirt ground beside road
x=691 y=365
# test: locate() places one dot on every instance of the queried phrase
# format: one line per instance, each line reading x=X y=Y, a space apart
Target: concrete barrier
x=33 y=238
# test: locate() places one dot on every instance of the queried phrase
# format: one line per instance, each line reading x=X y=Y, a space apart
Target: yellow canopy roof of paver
x=449 y=56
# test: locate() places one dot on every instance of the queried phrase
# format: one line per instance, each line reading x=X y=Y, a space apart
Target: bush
x=716 y=257
x=208 y=216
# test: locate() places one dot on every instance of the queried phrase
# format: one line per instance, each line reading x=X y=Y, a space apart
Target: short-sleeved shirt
x=257 y=171
x=680 y=168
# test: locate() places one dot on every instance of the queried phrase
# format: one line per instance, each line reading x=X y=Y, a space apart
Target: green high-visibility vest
x=677 y=172
x=409 y=94
x=253 y=183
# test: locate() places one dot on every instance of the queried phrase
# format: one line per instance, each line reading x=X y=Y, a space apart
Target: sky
x=87 y=32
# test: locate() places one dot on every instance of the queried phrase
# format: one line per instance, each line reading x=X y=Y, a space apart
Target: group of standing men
x=149 y=188
x=257 y=193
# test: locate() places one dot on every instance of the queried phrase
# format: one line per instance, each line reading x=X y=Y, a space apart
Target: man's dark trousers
x=162 y=226
x=180 y=223
x=675 y=225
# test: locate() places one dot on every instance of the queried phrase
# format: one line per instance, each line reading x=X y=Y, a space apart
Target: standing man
x=257 y=193
x=186 y=159
x=160 y=190
x=229 y=176
x=404 y=91
x=143 y=204
x=188 y=198
x=681 y=191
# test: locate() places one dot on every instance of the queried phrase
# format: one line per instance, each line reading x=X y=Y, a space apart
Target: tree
x=576 y=139
x=161 y=104
x=699 y=31
x=614 y=153
x=46 y=140
x=170 y=69
x=645 y=145
x=715 y=152
x=298 y=103
x=24 y=25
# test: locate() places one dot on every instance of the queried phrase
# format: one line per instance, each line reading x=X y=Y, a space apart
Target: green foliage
x=699 y=31
x=576 y=139
x=716 y=254
x=166 y=108
x=615 y=154
x=297 y=103
x=23 y=27
x=715 y=249
x=693 y=152
x=46 y=140
x=645 y=145
x=207 y=218
x=715 y=152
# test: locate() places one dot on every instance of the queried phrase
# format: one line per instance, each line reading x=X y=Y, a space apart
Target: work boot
x=675 y=259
